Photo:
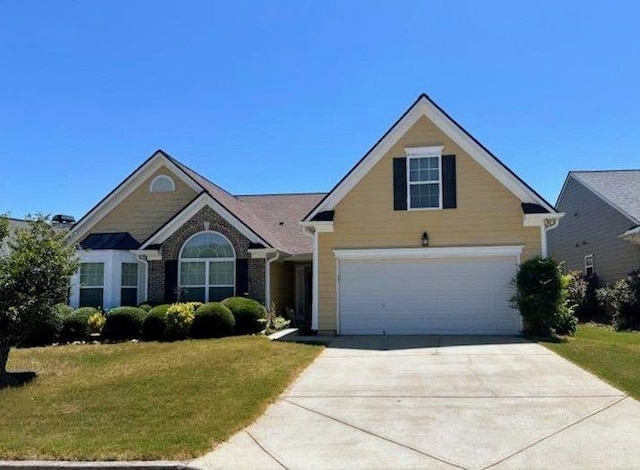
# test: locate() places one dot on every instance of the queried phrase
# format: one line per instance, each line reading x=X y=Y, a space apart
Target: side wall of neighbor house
x=487 y=213
x=143 y=212
x=592 y=226
x=171 y=252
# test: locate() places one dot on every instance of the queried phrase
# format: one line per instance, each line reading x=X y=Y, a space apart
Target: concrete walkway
x=441 y=403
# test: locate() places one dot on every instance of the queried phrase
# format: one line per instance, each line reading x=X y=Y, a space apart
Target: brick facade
x=206 y=219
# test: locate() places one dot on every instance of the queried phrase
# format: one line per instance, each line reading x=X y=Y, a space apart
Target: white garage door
x=427 y=296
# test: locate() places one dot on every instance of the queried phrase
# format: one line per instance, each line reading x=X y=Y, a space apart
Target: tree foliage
x=34 y=277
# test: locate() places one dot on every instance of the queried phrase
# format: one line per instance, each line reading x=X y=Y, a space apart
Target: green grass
x=613 y=356
x=142 y=401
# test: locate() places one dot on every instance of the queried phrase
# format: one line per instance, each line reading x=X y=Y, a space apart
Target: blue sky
x=277 y=96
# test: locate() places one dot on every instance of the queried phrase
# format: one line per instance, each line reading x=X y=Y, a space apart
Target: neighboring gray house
x=601 y=229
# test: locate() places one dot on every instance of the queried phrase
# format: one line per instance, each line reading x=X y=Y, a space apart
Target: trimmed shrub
x=539 y=295
x=123 y=323
x=76 y=326
x=146 y=307
x=212 y=320
x=41 y=330
x=178 y=320
x=247 y=313
x=63 y=310
x=154 y=324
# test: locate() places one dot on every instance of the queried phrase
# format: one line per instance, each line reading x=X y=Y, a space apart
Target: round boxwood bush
x=145 y=307
x=123 y=323
x=62 y=310
x=75 y=327
x=247 y=313
x=212 y=320
x=41 y=330
x=154 y=324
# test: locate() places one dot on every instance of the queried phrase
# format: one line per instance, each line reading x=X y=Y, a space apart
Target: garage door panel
x=423 y=296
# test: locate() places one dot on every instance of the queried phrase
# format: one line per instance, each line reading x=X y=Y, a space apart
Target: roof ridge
x=604 y=171
x=185 y=167
x=313 y=193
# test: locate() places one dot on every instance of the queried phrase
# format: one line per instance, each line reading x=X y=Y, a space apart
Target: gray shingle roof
x=264 y=213
x=620 y=188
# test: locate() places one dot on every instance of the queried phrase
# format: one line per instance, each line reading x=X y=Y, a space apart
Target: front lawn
x=142 y=401
x=612 y=355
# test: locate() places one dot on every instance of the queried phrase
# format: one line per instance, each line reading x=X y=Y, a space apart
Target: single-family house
x=423 y=235
x=601 y=231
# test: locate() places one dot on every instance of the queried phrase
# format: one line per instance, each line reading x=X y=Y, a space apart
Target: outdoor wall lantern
x=425 y=239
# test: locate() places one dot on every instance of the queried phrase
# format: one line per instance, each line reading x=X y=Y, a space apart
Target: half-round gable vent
x=162 y=184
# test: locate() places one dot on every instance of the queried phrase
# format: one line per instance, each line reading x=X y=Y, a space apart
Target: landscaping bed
x=611 y=355
x=142 y=401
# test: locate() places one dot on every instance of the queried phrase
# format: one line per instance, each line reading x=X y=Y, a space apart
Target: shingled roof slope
x=263 y=213
x=620 y=188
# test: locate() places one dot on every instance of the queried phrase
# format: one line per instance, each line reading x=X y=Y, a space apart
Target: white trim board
x=425 y=107
x=431 y=252
x=128 y=186
x=192 y=209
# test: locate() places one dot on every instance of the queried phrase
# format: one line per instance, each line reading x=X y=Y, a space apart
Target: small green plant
x=212 y=320
x=273 y=321
x=96 y=322
x=123 y=323
x=154 y=324
x=247 y=313
x=179 y=319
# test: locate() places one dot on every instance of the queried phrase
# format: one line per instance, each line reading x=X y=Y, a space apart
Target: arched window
x=162 y=184
x=207 y=268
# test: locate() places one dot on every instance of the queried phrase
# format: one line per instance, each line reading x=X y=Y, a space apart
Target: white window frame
x=418 y=153
x=206 y=261
x=99 y=286
x=161 y=179
x=589 y=263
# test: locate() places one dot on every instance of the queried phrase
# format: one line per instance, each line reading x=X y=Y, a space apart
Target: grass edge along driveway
x=614 y=356
x=142 y=401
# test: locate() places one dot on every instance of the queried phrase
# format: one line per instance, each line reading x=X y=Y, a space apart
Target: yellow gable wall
x=487 y=214
x=143 y=212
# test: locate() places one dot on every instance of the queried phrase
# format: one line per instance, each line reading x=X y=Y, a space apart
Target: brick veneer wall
x=171 y=251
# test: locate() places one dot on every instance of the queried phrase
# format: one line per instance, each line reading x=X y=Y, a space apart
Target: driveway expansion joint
x=332 y=418
x=266 y=451
x=559 y=431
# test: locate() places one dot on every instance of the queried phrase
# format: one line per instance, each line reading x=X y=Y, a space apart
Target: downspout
x=549 y=224
x=267 y=278
x=315 y=270
x=143 y=259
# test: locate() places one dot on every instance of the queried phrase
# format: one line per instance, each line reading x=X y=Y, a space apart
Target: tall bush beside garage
x=539 y=295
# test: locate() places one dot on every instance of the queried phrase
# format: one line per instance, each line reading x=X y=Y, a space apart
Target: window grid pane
x=424 y=169
x=221 y=273
x=129 y=296
x=216 y=294
x=192 y=273
x=129 y=276
x=91 y=297
x=208 y=245
x=92 y=274
x=192 y=294
x=425 y=195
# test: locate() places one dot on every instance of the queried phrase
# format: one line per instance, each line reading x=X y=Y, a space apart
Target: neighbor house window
x=207 y=268
x=162 y=184
x=91 y=284
x=424 y=182
x=589 y=267
x=129 y=284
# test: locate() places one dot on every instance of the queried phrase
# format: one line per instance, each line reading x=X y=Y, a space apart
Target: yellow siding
x=142 y=212
x=282 y=280
x=487 y=214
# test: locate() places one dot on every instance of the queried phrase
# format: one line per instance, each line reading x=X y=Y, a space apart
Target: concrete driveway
x=441 y=403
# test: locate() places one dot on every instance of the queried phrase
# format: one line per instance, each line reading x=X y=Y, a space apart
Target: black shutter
x=449 y=182
x=242 y=277
x=399 y=184
x=171 y=280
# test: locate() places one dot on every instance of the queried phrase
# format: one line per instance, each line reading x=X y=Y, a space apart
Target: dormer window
x=162 y=184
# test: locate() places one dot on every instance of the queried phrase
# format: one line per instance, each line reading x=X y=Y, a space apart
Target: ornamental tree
x=34 y=276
